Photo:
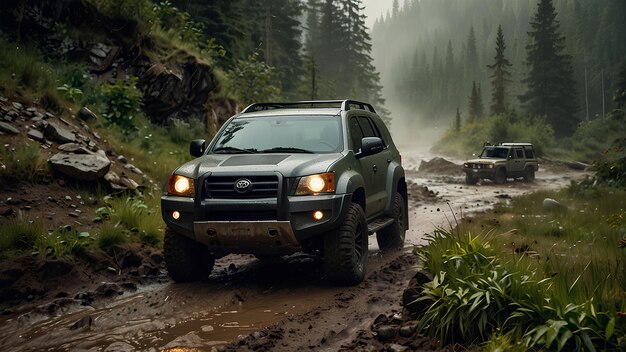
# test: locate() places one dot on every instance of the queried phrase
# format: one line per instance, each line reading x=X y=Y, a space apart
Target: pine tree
x=457 y=121
x=550 y=84
x=475 y=104
x=620 y=93
x=471 y=59
x=501 y=77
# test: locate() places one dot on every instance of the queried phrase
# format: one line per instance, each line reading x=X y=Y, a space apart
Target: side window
x=366 y=127
x=519 y=153
x=530 y=154
x=355 y=134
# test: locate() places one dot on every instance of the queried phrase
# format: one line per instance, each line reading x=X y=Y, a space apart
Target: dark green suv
x=280 y=178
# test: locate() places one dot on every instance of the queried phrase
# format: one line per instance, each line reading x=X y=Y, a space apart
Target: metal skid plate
x=254 y=237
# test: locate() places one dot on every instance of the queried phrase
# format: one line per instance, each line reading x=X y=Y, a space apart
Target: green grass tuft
x=109 y=236
x=21 y=162
x=17 y=235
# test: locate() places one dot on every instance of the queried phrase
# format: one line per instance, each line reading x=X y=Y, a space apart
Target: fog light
x=175 y=215
x=318 y=215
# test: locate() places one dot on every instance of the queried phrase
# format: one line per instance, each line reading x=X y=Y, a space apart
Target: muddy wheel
x=470 y=179
x=529 y=175
x=186 y=260
x=345 y=250
x=500 y=176
x=392 y=236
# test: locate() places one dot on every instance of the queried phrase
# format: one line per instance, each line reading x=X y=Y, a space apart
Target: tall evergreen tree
x=475 y=103
x=620 y=93
x=457 y=121
x=471 y=58
x=550 y=83
x=501 y=77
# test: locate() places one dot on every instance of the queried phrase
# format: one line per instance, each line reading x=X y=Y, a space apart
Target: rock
x=414 y=291
x=157 y=258
x=407 y=330
x=80 y=167
x=109 y=289
x=8 y=128
x=552 y=205
x=133 y=168
x=129 y=183
x=83 y=323
x=147 y=270
x=17 y=105
x=54 y=268
x=59 y=134
x=74 y=148
x=122 y=159
x=35 y=135
x=386 y=333
x=85 y=114
x=394 y=347
x=131 y=260
x=6 y=211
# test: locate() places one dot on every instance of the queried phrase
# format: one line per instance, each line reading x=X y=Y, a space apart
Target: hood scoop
x=256 y=159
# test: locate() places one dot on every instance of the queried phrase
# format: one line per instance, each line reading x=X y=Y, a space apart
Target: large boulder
x=177 y=90
x=82 y=167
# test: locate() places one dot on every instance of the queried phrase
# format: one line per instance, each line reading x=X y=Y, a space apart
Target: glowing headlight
x=321 y=183
x=180 y=185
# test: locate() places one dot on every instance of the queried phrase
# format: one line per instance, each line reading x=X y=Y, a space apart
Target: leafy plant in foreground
x=475 y=295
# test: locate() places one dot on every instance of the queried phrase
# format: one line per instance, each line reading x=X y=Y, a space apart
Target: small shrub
x=121 y=104
x=109 y=235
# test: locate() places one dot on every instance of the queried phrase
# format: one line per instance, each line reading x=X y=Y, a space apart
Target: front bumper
x=480 y=173
x=258 y=226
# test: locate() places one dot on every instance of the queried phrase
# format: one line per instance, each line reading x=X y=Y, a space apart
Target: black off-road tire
x=529 y=175
x=500 y=177
x=470 y=179
x=392 y=236
x=345 y=249
x=185 y=259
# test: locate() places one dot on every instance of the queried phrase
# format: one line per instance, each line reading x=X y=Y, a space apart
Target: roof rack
x=345 y=105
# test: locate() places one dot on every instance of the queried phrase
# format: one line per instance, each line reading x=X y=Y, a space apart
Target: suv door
x=374 y=167
x=516 y=164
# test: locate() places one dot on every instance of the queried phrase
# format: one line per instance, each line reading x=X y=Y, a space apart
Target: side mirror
x=197 y=147
x=371 y=146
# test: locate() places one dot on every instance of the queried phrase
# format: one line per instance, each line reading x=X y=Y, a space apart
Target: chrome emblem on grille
x=243 y=186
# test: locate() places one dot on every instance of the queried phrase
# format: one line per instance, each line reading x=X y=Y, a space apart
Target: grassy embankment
x=30 y=75
x=525 y=278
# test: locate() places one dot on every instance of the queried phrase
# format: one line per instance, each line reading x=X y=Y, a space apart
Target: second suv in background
x=499 y=162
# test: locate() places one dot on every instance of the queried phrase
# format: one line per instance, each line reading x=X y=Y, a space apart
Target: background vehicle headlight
x=180 y=185
x=320 y=183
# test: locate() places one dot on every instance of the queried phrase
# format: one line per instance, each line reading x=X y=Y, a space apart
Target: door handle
x=375 y=168
x=388 y=161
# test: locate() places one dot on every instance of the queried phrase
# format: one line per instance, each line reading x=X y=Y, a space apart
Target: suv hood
x=485 y=161
x=289 y=165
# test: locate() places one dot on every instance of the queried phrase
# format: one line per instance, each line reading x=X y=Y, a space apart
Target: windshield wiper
x=287 y=150
x=234 y=150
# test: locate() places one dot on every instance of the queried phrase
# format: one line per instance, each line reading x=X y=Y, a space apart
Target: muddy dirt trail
x=249 y=304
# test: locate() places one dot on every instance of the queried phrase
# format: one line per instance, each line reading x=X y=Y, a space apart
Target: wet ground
x=248 y=304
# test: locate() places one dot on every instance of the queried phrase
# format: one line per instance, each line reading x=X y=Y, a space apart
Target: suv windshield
x=495 y=152
x=281 y=134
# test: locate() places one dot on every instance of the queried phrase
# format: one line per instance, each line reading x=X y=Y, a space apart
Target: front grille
x=224 y=187
x=478 y=166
